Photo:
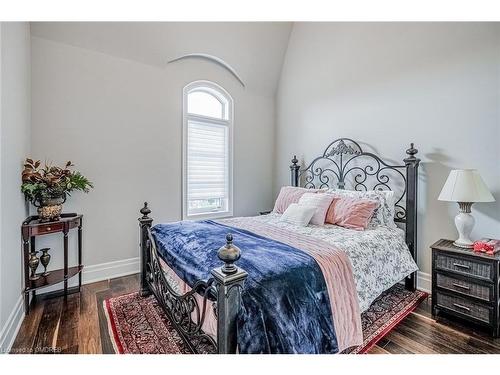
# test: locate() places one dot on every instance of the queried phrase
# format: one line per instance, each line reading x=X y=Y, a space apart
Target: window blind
x=207 y=158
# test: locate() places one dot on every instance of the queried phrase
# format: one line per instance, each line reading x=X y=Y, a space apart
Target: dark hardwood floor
x=72 y=326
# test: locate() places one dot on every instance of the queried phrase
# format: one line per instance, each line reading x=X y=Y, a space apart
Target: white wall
x=120 y=122
x=389 y=84
x=254 y=49
x=14 y=147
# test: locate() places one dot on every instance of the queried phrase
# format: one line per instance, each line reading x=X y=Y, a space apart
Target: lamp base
x=464 y=222
x=463 y=245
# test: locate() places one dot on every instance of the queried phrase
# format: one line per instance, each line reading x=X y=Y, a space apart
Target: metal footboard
x=222 y=291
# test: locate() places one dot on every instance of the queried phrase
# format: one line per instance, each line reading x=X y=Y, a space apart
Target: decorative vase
x=33 y=265
x=50 y=208
x=45 y=259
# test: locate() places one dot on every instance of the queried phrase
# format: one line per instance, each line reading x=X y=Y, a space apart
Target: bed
x=295 y=289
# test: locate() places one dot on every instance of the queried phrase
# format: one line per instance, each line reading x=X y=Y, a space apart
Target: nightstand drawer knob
x=461 y=286
x=461 y=307
x=48 y=228
x=461 y=266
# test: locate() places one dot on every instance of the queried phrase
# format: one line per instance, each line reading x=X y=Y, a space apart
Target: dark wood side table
x=30 y=229
x=465 y=285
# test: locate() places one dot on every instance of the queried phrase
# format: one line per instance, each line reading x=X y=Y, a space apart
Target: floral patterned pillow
x=384 y=214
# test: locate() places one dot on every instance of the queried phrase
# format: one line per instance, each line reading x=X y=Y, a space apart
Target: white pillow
x=298 y=214
x=319 y=201
x=390 y=201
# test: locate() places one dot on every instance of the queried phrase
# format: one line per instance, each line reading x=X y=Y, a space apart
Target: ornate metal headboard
x=344 y=165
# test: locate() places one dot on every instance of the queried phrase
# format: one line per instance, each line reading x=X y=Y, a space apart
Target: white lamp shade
x=465 y=185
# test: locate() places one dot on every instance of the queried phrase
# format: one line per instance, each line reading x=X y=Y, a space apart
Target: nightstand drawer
x=464 y=266
x=465 y=287
x=464 y=307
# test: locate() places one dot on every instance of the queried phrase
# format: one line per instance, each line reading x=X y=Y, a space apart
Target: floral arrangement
x=48 y=182
x=487 y=246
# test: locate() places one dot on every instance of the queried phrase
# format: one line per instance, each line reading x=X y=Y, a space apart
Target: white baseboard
x=91 y=274
x=11 y=327
x=110 y=270
x=424 y=281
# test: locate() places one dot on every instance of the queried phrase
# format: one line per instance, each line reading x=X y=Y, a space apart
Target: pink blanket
x=336 y=269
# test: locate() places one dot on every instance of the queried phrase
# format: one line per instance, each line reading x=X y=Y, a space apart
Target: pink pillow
x=351 y=212
x=321 y=202
x=289 y=195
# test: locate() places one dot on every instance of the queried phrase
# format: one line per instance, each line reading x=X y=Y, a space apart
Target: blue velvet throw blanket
x=285 y=303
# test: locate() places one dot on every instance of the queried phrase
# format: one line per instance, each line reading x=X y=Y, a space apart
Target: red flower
x=479 y=246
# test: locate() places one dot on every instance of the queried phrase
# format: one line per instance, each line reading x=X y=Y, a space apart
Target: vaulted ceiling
x=254 y=49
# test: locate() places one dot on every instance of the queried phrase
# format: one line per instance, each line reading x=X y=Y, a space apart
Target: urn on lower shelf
x=33 y=263
x=45 y=260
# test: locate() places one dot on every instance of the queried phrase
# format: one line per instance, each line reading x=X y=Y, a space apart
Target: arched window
x=207 y=151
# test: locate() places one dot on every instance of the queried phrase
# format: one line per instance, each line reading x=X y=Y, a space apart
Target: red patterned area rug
x=390 y=308
x=137 y=325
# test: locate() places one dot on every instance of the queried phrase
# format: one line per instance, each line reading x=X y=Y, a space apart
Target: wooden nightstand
x=465 y=284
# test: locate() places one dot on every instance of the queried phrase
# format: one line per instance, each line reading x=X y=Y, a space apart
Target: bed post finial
x=412 y=151
x=145 y=223
x=294 y=170
x=229 y=253
x=411 y=163
x=145 y=211
x=229 y=281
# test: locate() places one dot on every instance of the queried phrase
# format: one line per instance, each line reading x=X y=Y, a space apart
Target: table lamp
x=465 y=186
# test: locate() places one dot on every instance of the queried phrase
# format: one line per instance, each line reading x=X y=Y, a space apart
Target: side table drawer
x=47 y=228
x=464 y=306
x=464 y=266
x=465 y=287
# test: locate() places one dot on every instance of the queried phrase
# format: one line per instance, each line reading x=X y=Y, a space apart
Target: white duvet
x=379 y=256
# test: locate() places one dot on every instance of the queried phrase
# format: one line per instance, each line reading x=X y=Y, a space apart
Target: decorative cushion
x=390 y=206
x=319 y=201
x=351 y=213
x=384 y=214
x=289 y=195
x=298 y=214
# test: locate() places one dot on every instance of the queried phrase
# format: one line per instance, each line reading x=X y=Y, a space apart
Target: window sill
x=209 y=215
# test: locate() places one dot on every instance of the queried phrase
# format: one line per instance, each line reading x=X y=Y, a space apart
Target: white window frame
x=222 y=95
